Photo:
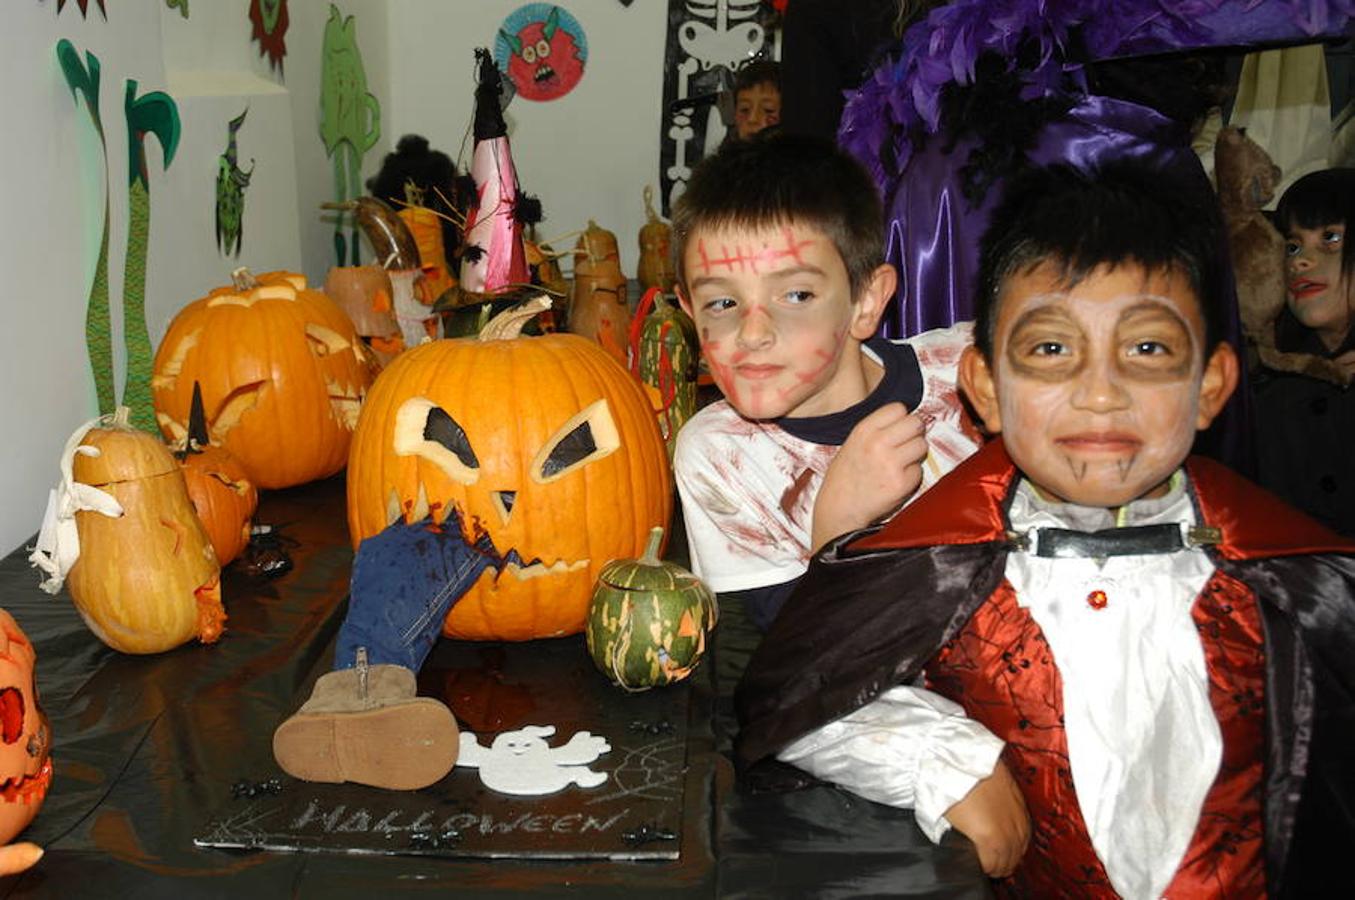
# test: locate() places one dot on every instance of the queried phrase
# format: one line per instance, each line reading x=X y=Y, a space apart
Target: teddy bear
x=520 y=762
x=1246 y=180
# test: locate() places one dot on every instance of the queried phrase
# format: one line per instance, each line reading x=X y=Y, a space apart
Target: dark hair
x=1124 y=213
x=434 y=174
x=1321 y=198
x=762 y=71
x=781 y=180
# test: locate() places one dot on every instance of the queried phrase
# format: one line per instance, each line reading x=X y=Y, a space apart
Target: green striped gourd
x=664 y=358
x=649 y=620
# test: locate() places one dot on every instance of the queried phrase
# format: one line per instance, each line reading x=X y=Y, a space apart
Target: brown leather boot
x=366 y=725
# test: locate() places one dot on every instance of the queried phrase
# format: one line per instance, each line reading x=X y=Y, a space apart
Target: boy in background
x=757 y=98
x=1148 y=653
x=823 y=427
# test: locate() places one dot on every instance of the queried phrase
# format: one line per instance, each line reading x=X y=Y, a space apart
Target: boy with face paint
x=823 y=428
x=757 y=99
x=1118 y=669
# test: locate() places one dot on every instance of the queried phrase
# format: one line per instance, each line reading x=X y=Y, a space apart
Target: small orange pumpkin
x=544 y=443
x=282 y=371
x=222 y=494
x=147 y=580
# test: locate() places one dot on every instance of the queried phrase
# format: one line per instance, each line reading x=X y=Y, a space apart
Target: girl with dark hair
x=1307 y=423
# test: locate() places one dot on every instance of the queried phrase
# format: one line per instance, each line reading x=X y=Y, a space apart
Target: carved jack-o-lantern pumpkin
x=543 y=442
x=282 y=371
x=147 y=579
x=25 y=735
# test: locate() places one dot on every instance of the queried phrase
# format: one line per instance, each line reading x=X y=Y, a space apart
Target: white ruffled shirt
x=1144 y=745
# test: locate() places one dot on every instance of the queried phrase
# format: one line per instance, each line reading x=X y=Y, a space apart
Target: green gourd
x=664 y=358
x=649 y=620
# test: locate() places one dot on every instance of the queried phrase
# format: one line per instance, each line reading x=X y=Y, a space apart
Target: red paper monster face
x=544 y=59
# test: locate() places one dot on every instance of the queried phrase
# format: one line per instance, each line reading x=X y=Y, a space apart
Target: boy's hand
x=877 y=469
x=993 y=815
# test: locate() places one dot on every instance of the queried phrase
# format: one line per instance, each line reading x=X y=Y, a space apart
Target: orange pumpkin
x=282 y=371
x=544 y=442
x=364 y=294
x=223 y=496
x=25 y=744
x=147 y=580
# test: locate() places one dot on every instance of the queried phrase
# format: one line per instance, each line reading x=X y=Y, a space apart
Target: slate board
x=491 y=687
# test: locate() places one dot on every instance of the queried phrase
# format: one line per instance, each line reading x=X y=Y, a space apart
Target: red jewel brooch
x=1097 y=600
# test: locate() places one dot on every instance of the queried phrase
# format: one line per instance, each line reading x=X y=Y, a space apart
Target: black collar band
x=1139 y=540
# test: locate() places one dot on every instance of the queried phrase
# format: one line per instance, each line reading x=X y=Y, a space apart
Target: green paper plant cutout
x=350 y=120
x=156 y=114
x=180 y=5
x=231 y=182
x=83 y=79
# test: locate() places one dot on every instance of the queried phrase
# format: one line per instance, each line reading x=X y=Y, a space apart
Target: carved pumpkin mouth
x=28 y=788
x=539 y=569
x=346 y=403
x=420 y=508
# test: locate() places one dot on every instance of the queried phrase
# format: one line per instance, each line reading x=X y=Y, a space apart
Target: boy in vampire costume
x=1116 y=669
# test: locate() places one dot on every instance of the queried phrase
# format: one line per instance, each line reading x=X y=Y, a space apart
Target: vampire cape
x=876 y=605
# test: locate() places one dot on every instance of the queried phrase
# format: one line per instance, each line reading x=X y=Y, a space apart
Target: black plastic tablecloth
x=147 y=749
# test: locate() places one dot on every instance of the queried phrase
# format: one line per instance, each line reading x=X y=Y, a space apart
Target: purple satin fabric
x=933 y=231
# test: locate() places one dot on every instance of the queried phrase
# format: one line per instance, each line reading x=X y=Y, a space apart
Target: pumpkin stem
x=509 y=323
x=122 y=417
x=243 y=279
x=650 y=214
x=651 y=554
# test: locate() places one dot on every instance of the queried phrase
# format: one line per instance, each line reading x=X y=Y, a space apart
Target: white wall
x=586 y=155
x=52 y=181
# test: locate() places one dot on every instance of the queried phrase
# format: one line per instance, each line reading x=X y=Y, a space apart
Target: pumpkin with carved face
x=25 y=735
x=544 y=443
x=282 y=371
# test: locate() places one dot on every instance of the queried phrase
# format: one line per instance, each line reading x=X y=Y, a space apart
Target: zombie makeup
x=1318 y=293
x=773 y=310
x=1097 y=385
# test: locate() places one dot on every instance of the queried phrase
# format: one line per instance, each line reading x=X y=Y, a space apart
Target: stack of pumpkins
x=256 y=385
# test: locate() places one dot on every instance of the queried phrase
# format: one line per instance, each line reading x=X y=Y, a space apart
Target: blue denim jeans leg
x=404 y=581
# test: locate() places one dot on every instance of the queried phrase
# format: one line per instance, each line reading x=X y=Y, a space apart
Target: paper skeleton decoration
x=520 y=762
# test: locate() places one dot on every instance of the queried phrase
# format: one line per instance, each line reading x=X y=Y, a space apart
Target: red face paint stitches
x=774 y=310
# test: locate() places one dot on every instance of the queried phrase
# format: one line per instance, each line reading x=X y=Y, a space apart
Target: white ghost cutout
x=520 y=762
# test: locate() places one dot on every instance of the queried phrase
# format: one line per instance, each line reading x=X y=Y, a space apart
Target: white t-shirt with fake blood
x=748 y=488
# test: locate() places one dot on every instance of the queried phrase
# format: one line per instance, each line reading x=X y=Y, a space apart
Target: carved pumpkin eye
x=424 y=429
x=324 y=341
x=11 y=714
x=588 y=435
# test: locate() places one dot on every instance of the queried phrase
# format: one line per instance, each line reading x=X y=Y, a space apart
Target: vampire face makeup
x=1318 y=294
x=756 y=108
x=1098 y=389
x=775 y=316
